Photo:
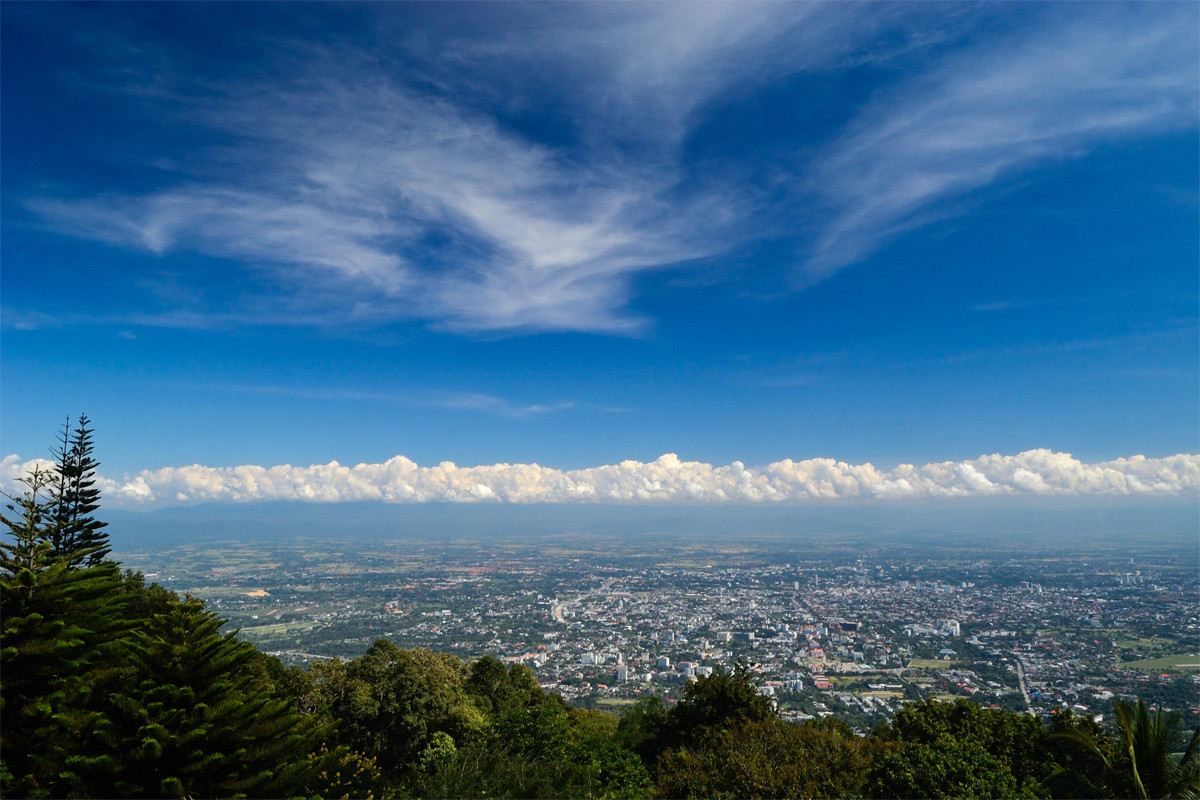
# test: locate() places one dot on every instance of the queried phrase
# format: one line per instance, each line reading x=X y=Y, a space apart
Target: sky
x=614 y=252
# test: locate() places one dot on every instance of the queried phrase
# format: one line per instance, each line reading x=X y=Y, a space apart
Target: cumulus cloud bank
x=665 y=480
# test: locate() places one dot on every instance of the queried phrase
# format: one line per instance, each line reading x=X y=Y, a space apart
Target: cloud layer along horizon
x=666 y=480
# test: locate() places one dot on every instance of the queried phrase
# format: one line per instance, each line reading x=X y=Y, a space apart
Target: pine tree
x=28 y=522
x=76 y=497
x=61 y=627
x=113 y=689
x=198 y=717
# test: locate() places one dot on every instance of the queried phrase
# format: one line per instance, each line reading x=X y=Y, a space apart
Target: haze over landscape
x=605 y=253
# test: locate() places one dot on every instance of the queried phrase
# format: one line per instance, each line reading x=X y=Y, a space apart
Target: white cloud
x=539 y=242
x=12 y=469
x=665 y=480
x=988 y=113
x=369 y=196
x=653 y=67
x=466 y=401
x=533 y=239
x=474 y=401
x=241 y=224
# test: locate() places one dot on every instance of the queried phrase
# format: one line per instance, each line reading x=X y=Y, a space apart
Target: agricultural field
x=1182 y=663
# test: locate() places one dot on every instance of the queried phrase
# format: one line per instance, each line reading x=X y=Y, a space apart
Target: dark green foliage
x=947 y=768
x=579 y=759
x=74 y=532
x=343 y=773
x=62 y=628
x=532 y=746
x=768 y=759
x=618 y=771
x=114 y=689
x=718 y=702
x=488 y=684
x=529 y=722
x=700 y=747
x=389 y=703
x=711 y=704
x=724 y=740
x=479 y=770
x=958 y=750
x=198 y=717
x=27 y=519
x=643 y=728
x=93 y=708
x=1149 y=755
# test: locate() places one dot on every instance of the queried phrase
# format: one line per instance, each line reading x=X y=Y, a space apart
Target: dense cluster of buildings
x=854 y=638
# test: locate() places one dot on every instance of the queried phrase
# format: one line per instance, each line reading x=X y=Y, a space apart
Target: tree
x=114 y=689
x=533 y=746
x=75 y=497
x=711 y=704
x=643 y=728
x=769 y=759
x=28 y=521
x=488 y=684
x=1147 y=756
x=59 y=650
x=936 y=749
x=945 y=768
x=344 y=773
x=389 y=703
x=196 y=716
x=615 y=770
x=717 y=702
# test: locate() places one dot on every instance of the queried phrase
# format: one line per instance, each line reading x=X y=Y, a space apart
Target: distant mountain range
x=1176 y=520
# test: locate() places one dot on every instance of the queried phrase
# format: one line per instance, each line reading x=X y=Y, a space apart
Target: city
x=830 y=628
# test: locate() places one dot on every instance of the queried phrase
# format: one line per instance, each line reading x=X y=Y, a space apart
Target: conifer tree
x=76 y=497
x=61 y=627
x=198 y=718
x=27 y=519
x=114 y=689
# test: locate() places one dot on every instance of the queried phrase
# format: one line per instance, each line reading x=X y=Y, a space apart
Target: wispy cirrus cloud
x=377 y=200
x=238 y=223
x=494 y=405
x=918 y=151
x=463 y=401
x=416 y=210
x=1034 y=473
x=371 y=188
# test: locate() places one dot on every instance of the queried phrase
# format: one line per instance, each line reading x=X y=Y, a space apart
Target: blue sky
x=574 y=235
